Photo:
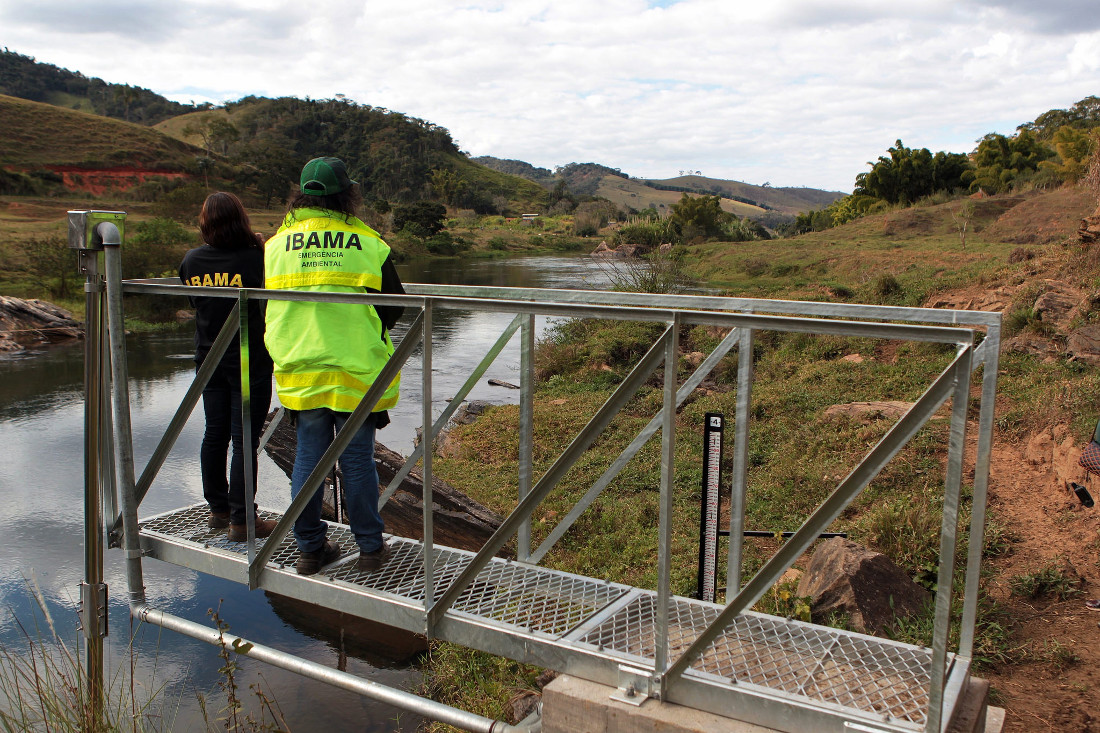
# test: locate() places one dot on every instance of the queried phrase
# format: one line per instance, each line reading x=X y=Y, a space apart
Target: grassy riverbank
x=797 y=454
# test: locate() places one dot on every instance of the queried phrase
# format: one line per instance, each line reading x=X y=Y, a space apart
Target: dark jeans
x=221 y=401
x=316 y=431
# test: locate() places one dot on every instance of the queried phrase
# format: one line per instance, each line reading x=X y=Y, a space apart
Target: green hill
x=770 y=206
x=38 y=136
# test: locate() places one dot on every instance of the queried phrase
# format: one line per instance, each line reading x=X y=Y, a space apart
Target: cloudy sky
x=791 y=92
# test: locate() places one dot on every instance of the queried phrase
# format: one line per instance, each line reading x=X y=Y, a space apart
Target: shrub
x=1047 y=580
x=754 y=267
x=420 y=219
x=1020 y=254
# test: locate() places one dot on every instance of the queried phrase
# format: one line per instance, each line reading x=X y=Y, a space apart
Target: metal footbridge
x=647 y=643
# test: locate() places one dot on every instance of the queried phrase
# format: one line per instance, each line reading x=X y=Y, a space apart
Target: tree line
x=24 y=77
x=1056 y=149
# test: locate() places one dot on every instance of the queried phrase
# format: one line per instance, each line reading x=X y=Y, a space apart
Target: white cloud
x=791 y=91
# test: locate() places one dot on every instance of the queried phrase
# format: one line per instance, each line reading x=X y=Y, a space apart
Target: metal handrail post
x=991 y=344
x=526 y=450
x=664 y=522
x=948 y=534
x=124 y=437
x=740 y=476
x=109 y=491
x=248 y=456
x=93 y=522
x=427 y=440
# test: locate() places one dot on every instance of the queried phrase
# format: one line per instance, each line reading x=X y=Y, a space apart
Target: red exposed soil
x=1056 y=685
x=99 y=182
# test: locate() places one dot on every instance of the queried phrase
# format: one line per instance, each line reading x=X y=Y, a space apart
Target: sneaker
x=239 y=532
x=218 y=520
x=1093 y=605
x=311 y=562
x=371 y=561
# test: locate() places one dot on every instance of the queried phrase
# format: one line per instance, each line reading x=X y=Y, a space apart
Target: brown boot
x=239 y=532
x=217 y=520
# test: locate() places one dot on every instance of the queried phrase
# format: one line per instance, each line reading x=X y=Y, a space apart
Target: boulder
x=1058 y=306
x=1084 y=344
x=845 y=577
x=1029 y=343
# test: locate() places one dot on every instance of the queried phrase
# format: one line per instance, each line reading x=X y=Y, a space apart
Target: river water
x=41 y=516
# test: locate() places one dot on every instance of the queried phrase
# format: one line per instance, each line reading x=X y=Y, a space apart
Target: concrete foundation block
x=572 y=705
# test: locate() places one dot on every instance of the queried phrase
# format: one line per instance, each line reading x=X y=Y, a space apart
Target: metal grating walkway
x=589 y=627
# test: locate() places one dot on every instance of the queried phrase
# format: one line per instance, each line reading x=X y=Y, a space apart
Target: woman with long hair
x=232 y=256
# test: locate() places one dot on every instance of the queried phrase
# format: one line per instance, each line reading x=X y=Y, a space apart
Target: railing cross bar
x=623 y=393
x=883 y=452
x=643 y=437
x=343 y=438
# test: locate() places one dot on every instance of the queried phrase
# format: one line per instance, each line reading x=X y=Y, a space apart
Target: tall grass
x=43 y=686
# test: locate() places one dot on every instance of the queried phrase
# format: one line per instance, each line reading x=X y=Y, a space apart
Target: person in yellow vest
x=327 y=355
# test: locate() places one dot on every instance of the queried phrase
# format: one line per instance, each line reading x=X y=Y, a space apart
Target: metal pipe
x=389 y=695
x=124 y=436
x=248 y=456
x=792 y=324
x=93 y=522
x=859 y=311
x=668 y=486
x=948 y=533
x=989 y=348
x=427 y=441
x=740 y=475
x=526 y=447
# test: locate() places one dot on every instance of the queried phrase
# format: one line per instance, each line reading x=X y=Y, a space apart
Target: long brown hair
x=345 y=202
x=224 y=223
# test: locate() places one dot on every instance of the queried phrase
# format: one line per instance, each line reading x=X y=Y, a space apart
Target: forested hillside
x=24 y=77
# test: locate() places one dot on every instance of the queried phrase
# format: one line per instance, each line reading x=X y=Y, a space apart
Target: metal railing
x=742 y=316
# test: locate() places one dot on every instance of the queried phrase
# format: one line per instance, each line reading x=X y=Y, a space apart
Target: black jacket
x=237 y=268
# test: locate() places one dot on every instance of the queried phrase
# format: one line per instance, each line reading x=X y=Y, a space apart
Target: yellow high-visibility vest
x=326 y=354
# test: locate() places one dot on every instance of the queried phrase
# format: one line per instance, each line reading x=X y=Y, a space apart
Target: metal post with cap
x=87 y=232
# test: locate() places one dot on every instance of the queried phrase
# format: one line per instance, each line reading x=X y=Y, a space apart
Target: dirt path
x=1055 y=685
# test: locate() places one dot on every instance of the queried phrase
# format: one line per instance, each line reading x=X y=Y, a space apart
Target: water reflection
x=41 y=510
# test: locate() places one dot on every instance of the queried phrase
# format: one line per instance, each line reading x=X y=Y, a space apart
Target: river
x=41 y=431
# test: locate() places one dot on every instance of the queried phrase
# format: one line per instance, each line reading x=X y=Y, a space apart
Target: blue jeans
x=221 y=402
x=316 y=431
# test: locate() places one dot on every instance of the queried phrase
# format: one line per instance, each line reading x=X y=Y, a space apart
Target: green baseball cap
x=325 y=177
